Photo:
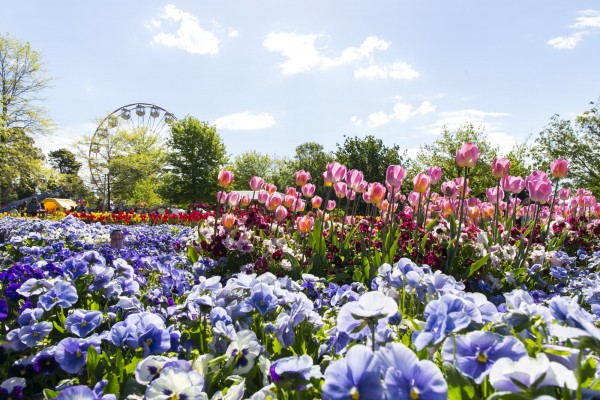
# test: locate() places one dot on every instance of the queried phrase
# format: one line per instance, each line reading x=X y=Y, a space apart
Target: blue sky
x=273 y=74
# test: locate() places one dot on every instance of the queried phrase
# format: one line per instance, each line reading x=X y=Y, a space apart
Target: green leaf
x=58 y=327
x=192 y=254
x=50 y=394
x=112 y=386
x=478 y=264
x=459 y=387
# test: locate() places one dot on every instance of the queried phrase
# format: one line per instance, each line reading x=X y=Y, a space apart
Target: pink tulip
x=447 y=206
x=449 y=189
x=233 y=198
x=331 y=205
x=350 y=194
x=366 y=197
x=413 y=199
x=589 y=201
x=535 y=175
x=383 y=205
x=500 y=167
x=583 y=192
x=395 y=175
x=291 y=191
x=564 y=193
x=467 y=155
x=256 y=183
x=513 y=184
x=245 y=200
x=316 y=202
x=228 y=221
x=421 y=183
x=263 y=196
x=302 y=177
x=460 y=184
x=559 y=168
x=308 y=190
x=340 y=189
x=305 y=223
x=494 y=195
x=376 y=192
x=288 y=201
x=225 y=178
x=334 y=173
x=435 y=173
x=222 y=197
x=273 y=201
x=270 y=188
x=362 y=187
x=539 y=190
x=299 y=205
x=473 y=201
x=354 y=178
x=280 y=213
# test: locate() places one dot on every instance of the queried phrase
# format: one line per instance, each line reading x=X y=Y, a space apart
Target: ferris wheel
x=153 y=119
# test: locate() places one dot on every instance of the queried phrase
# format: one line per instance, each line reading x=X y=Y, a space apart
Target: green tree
x=196 y=155
x=22 y=79
x=442 y=153
x=20 y=165
x=138 y=156
x=370 y=156
x=578 y=141
x=251 y=163
x=312 y=158
x=64 y=161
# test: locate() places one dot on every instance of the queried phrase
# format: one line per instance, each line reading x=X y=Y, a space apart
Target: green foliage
x=22 y=78
x=196 y=153
x=137 y=160
x=312 y=158
x=578 y=141
x=370 y=156
x=442 y=153
x=64 y=161
x=251 y=163
x=21 y=163
x=145 y=191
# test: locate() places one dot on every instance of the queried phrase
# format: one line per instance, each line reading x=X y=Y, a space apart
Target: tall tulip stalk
x=559 y=169
x=466 y=158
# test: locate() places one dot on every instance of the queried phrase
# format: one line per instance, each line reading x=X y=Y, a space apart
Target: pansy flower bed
x=422 y=296
x=83 y=320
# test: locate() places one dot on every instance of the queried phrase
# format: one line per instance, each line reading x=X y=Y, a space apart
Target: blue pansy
x=476 y=352
x=82 y=322
x=63 y=294
x=356 y=376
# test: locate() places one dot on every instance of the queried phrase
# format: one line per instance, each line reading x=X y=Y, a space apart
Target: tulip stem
x=547 y=232
x=454 y=251
x=495 y=224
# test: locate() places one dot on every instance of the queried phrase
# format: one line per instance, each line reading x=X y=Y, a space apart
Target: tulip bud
x=421 y=183
x=334 y=173
x=302 y=177
x=245 y=200
x=233 y=198
x=435 y=173
x=467 y=155
x=377 y=192
x=280 y=213
x=256 y=183
x=222 y=197
x=305 y=223
x=500 y=167
x=559 y=168
x=225 y=178
x=228 y=221
x=340 y=189
x=316 y=202
x=263 y=196
x=331 y=205
x=395 y=175
x=308 y=190
x=270 y=188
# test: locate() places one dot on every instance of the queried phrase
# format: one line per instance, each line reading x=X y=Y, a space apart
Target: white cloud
x=589 y=19
x=399 y=70
x=232 y=33
x=302 y=54
x=190 y=35
x=489 y=121
x=401 y=112
x=566 y=42
x=587 y=23
x=245 y=121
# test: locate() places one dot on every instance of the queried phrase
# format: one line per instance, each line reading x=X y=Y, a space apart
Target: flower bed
x=421 y=295
x=81 y=318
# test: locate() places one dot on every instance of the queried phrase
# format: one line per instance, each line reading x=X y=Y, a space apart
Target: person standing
x=33 y=208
